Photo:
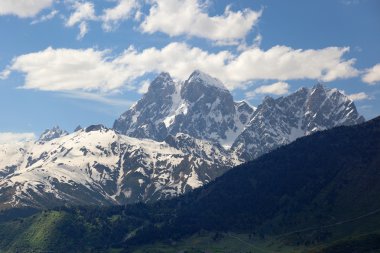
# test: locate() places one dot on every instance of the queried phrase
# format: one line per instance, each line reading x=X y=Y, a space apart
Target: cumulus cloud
x=372 y=75
x=188 y=17
x=23 y=8
x=69 y=69
x=279 y=88
x=358 y=96
x=278 y=63
x=8 y=137
x=285 y=63
x=94 y=70
x=122 y=11
x=83 y=12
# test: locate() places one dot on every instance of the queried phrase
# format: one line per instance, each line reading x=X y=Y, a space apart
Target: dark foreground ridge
x=317 y=194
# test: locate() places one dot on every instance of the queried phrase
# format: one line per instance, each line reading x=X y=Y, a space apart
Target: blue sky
x=71 y=62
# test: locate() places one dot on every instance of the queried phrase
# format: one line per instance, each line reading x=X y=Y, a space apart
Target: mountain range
x=179 y=136
x=317 y=194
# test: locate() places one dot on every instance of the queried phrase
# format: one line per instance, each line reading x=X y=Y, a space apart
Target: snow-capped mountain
x=177 y=137
x=280 y=121
x=50 y=134
x=201 y=107
x=97 y=165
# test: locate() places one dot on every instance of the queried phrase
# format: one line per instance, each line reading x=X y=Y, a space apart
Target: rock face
x=280 y=121
x=50 y=134
x=97 y=165
x=200 y=107
x=144 y=119
x=179 y=136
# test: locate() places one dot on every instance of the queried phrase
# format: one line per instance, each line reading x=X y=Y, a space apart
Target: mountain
x=98 y=166
x=50 y=134
x=179 y=136
x=317 y=194
x=319 y=190
x=203 y=108
x=329 y=173
x=200 y=107
x=280 y=121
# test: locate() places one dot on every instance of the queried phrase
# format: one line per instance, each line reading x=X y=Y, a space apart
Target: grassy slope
x=60 y=231
x=361 y=235
x=37 y=233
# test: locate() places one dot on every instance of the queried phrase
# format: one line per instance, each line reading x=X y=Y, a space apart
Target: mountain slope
x=96 y=166
x=280 y=121
x=324 y=178
x=325 y=186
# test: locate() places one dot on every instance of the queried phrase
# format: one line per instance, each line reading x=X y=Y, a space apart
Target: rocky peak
x=78 y=128
x=53 y=133
x=145 y=118
x=280 y=121
x=162 y=82
x=201 y=107
x=98 y=127
x=202 y=78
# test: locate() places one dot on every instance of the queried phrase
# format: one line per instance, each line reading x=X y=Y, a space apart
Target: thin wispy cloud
x=123 y=10
x=83 y=12
x=101 y=98
x=45 y=18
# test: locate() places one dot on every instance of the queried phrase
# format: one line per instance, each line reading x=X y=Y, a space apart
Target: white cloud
x=69 y=69
x=122 y=11
x=188 y=17
x=23 y=8
x=372 y=75
x=5 y=73
x=8 y=137
x=93 y=70
x=83 y=29
x=83 y=12
x=358 y=96
x=44 y=18
x=138 y=16
x=278 y=63
x=279 y=88
x=176 y=58
x=285 y=63
x=143 y=87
